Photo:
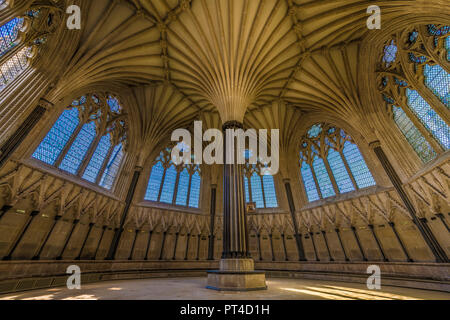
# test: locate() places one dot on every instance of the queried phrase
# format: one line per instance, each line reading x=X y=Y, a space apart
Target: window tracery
x=88 y=140
x=331 y=163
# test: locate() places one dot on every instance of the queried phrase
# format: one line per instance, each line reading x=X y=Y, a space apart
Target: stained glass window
x=174 y=185
x=331 y=163
x=308 y=182
x=413 y=110
x=14 y=66
x=8 y=34
x=429 y=118
x=259 y=188
x=91 y=148
x=59 y=135
x=413 y=135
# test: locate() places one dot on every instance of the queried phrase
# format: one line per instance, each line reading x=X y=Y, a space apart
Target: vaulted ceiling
x=234 y=57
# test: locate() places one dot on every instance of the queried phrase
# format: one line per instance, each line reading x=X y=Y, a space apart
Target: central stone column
x=237 y=269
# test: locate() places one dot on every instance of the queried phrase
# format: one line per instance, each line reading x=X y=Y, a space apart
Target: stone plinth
x=237 y=275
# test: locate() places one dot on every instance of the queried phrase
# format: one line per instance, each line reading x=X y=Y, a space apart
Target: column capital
x=375 y=144
x=44 y=103
x=232 y=125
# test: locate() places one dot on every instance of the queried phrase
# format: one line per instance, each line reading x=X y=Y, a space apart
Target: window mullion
x=175 y=191
x=423 y=130
x=189 y=190
x=105 y=163
x=249 y=184
x=162 y=184
x=262 y=190
x=319 y=192
x=68 y=145
x=349 y=171
x=89 y=155
x=330 y=174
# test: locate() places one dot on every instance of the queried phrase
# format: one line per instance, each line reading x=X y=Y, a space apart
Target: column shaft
x=133 y=245
x=147 y=251
x=429 y=238
x=394 y=229
x=372 y=228
x=47 y=237
x=301 y=250
x=338 y=232
x=212 y=224
x=128 y=200
x=314 y=246
x=355 y=233
x=326 y=243
x=21 y=235
x=74 y=224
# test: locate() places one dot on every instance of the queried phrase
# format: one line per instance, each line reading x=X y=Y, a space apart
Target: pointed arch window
x=174 y=185
x=415 y=84
x=259 y=188
x=331 y=163
x=17 y=46
x=87 y=140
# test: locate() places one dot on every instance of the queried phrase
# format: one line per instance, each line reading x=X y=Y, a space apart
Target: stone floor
x=194 y=289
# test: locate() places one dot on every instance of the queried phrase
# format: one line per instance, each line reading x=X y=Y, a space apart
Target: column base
x=237 y=275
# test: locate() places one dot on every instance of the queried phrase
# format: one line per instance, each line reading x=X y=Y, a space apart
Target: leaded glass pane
x=8 y=34
x=169 y=185
x=57 y=138
x=308 y=182
x=112 y=168
x=269 y=192
x=183 y=188
x=390 y=53
x=257 y=193
x=247 y=196
x=79 y=148
x=195 y=191
x=154 y=184
x=325 y=184
x=13 y=67
x=340 y=173
x=429 y=118
x=413 y=135
x=358 y=166
x=97 y=160
x=438 y=80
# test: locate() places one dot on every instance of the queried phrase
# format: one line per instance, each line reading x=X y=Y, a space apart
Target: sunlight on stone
x=376 y=293
x=46 y=297
x=344 y=292
x=318 y=294
x=115 y=289
x=82 y=297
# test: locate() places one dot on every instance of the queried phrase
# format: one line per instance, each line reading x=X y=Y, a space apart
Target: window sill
x=168 y=207
x=58 y=173
x=344 y=197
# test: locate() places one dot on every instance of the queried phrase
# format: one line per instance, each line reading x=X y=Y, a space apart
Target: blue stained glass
x=8 y=34
x=13 y=67
x=358 y=166
x=315 y=131
x=183 y=188
x=308 y=182
x=257 y=193
x=97 y=160
x=114 y=104
x=340 y=173
x=269 y=192
x=57 y=138
x=325 y=184
x=247 y=196
x=169 y=185
x=413 y=135
x=390 y=53
x=194 y=197
x=112 y=168
x=438 y=80
x=79 y=148
x=154 y=183
x=429 y=118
